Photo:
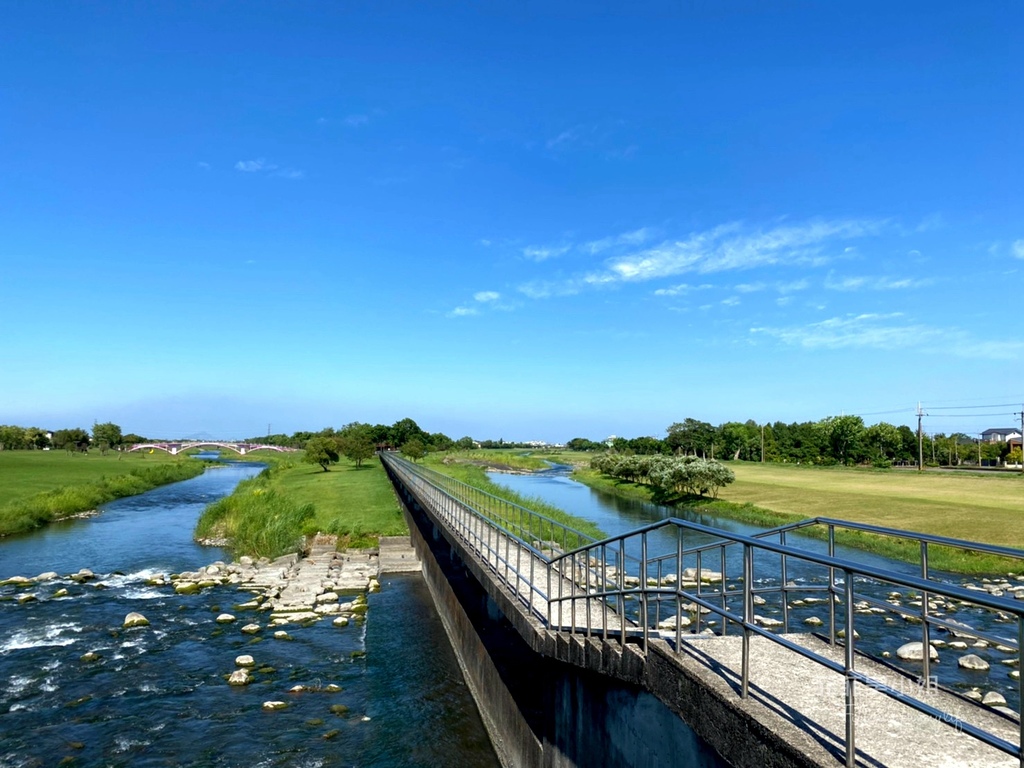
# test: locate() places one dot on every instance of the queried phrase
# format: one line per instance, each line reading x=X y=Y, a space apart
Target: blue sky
x=521 y=220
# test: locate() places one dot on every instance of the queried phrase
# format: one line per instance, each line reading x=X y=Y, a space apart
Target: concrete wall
x=540 y=707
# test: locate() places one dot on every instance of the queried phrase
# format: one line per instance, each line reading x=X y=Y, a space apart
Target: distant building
x=1004 y=435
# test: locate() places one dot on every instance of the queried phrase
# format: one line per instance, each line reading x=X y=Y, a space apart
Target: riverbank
x=268 y=515
x=943 y=505
x=41 y=487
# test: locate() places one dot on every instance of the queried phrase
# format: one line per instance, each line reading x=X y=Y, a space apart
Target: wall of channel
x=541 y=706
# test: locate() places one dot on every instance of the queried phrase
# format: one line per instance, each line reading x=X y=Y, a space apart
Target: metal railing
x=620 y=587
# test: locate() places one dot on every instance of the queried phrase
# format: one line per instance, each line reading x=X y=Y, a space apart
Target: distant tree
x=132 y=439
x=884 y=440
x=404 y=430
x=322 y=451
x=690 y=436
x=583 y=444
x=108 y=433
x=415 y=449
x=465 y=443
x=355 y=442
x=841 y=435
x=71 y=440
x=12 y=438
x=36 y=438
x=439 y=441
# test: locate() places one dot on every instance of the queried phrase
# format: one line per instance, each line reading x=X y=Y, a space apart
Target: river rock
x=240 y=677
x=972 y=662
x=915 y=652
x=245 y=660
x=186 y=588
x=48 y=576
x=341 y=621
x=84 y=574
x=813 y=621
x=135 y=619
x=282 y=635
x=17 y=581
x=271 y=706
x=89 y=657
x=767 y=622
x=994 y=699
x=327 y=597
x=251 y=629
x=29 y=598
x=670 y=622
x=61 y=593
x=225 y=618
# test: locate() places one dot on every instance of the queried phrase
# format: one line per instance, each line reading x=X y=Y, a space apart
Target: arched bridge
x=240 y=448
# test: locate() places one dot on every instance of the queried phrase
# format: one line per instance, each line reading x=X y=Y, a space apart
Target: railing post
x=604 y=591
x=748 y=615
x=725 y=603
x=785 y=590
x=926 y=660
x=831 y=586
x=851 y=744
x=622 y=586
x=700 y=567
x=643 y=587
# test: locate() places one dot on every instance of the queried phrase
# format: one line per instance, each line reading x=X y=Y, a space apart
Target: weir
x=581 y=652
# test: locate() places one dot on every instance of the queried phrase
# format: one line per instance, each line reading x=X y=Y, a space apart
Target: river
x=878 y=634
x=157 y=696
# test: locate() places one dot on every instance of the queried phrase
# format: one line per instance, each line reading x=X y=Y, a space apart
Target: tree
x=70 y=440
x=403 y=431
x=415 y=449
x=884 y=440
x=465 y=443
x=11 y=437
x=841 y=434
x=36 y=438
x=441 y=442
x=108 y=433
x=322 y=451
x=690 y=436
x=355 y=442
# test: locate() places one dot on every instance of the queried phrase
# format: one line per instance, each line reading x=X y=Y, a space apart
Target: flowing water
x=158 y=696
x=615 y=516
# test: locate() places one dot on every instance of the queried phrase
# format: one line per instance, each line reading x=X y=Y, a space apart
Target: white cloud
x=874 y=283
x=890 y=332
x=485 y=296
x=463 y=312
x=636 y=237
x=204 y=166
x=750 y=287
x=541 y=253
x=727 y=247
x=252 y=166
x=545 y=289
x=354 y=121
x=1018 y=248
x=732 y=301
x=289 y=173
x=484 y=242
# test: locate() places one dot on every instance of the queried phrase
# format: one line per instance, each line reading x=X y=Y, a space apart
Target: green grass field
x=269 y=514
x=38 y=487
x=978 y=507
x=26 y=473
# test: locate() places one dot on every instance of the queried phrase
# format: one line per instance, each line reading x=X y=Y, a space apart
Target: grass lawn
x=26 y=473
x=986 y=508
x=38 y=487
x=356 y=503
x=978 y=507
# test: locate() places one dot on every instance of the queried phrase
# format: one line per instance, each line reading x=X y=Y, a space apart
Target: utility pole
x=1021 y=414
x=920 y=439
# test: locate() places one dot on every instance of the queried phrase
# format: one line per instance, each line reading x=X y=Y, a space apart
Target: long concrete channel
x=793 y=715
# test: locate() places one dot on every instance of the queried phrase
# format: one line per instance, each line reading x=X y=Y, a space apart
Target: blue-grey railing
x=543 y=560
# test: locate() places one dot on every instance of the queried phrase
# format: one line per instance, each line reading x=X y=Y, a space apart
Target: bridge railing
x=664 y=586
x=518 y=541
x=622 y=587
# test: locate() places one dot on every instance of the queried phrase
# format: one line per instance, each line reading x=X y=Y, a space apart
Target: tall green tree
x=690 y=436
x=415 y=449
x=108 y=433
x=355 y=442
x=841 y=435
x=321 y=451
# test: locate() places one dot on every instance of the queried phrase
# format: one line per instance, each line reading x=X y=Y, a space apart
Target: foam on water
x=52 y=635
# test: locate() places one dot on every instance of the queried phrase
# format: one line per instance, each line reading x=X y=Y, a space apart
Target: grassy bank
x=988 y=509
x=39 y=487
x=271 y=513
x=475 y=475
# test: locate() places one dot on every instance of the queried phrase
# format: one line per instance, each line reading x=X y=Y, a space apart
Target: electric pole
x=920 y=439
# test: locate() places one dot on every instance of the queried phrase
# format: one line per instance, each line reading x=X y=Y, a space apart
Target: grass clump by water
x=476 y=476
x=257 y=519
x=773 y=495
x=272 y=513
x=38 y=509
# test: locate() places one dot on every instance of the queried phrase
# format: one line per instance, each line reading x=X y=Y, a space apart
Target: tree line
x=832 y=440
x=670 y=476
x=106 y=436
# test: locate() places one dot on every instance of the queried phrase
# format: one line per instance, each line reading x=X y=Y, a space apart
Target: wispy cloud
x=261 y=165
x=254 y=166
x=728 y=247
x=680 y=290
x=891 y=332
x=603 y=136
x=203 y=165
x=636 y=237
x=355 y=121
x=543 y=253
x=486 y=296
x=1018 y=249
x=490 y=300
x=463 y=312
x=834 y=283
